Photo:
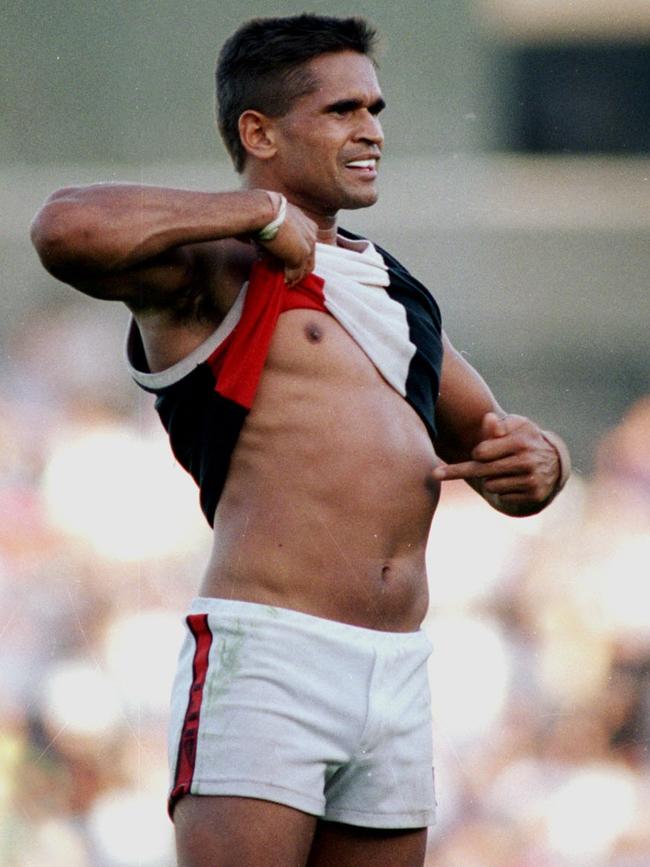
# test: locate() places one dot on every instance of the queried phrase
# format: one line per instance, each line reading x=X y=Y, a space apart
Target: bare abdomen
x=328 y=501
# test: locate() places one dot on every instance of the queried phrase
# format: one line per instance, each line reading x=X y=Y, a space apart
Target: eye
x=343 y=108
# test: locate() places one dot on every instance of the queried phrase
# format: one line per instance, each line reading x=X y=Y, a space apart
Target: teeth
x=362 y=164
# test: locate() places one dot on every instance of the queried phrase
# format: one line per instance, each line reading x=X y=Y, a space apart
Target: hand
x=513 y=462
x=295 y=245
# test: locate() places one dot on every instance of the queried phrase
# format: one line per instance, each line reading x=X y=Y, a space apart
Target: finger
x=509 y=466
x=292 y=276
x=494 y=449
x=515 y=499
x=293 y=280
x=508 y=485
x=465 y=470
x=492 y=426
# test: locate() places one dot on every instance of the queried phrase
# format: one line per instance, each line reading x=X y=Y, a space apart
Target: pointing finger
x=507 y=467
x=466 y=470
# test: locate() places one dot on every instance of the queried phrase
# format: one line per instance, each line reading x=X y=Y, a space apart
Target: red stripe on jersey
x=198 y=625
x=238 y=363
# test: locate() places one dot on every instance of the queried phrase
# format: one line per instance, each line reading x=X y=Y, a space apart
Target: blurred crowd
x=541 y=671
x=540 y=674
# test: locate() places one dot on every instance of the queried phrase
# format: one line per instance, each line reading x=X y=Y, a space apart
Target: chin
x=354 y=201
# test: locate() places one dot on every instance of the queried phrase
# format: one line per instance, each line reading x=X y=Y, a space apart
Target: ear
x=257 y=134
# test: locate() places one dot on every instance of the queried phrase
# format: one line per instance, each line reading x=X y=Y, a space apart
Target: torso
x=328 y=501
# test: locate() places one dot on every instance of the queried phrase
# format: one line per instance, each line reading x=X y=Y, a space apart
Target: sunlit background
x=516 y=184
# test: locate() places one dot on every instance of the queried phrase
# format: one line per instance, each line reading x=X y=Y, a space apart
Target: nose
x=370 y=129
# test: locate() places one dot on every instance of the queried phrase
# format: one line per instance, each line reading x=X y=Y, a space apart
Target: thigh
x=338 y=845
x=219 y=831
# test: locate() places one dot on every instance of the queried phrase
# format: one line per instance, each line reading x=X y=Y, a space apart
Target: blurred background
x=516 y=185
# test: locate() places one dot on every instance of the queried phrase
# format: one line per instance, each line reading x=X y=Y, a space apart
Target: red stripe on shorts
x=198 y=626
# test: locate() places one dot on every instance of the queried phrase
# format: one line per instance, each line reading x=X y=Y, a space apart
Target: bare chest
x=312 y=344
x=321 y=397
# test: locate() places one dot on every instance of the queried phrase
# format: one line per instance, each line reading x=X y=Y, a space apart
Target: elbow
x=60 y=231
x=46 y=236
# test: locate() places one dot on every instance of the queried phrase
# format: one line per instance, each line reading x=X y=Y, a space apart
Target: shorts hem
x=252 y=789
x=396 y=821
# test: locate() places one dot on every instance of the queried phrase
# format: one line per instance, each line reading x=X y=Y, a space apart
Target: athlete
x=305 y=382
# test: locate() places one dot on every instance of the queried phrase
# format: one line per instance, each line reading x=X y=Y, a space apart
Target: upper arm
x=146 y=246
x=463 y=401
x=190 y=281
x=79 y=241
x=155 y=282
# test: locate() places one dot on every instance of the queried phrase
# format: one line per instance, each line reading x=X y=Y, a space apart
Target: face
x=329 y=144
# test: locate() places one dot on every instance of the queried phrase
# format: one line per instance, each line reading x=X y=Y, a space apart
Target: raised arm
x=508 y=459
x=143 y=244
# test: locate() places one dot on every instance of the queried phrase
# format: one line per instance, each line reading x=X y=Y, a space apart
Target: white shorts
x=321 y=716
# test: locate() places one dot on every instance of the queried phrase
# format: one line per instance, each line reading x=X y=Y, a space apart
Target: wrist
x=271 y=228
x=563 y=457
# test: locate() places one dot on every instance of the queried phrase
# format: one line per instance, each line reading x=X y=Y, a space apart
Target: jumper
x=204 y=399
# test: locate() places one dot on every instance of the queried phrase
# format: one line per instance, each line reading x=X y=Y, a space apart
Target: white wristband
x=268 y=232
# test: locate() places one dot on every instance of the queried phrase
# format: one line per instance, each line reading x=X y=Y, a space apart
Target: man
x=303 y=404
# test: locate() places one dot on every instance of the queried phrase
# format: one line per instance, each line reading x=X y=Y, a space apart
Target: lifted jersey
x=203 y=400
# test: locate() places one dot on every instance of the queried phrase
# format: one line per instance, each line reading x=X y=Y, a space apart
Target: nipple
x=313 y=332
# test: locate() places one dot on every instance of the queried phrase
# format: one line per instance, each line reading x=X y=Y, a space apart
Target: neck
x=326 y=234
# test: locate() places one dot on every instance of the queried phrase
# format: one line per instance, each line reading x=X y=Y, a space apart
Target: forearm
x=107 y=228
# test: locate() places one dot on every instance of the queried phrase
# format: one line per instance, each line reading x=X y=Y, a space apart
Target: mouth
x=366 y=167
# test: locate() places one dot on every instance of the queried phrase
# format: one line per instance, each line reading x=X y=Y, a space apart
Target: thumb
x=493 y=427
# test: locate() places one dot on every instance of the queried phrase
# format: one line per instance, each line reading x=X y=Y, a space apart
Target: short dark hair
x=261 y=66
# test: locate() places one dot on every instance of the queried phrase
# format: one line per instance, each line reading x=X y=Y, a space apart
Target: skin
x=325 y=520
